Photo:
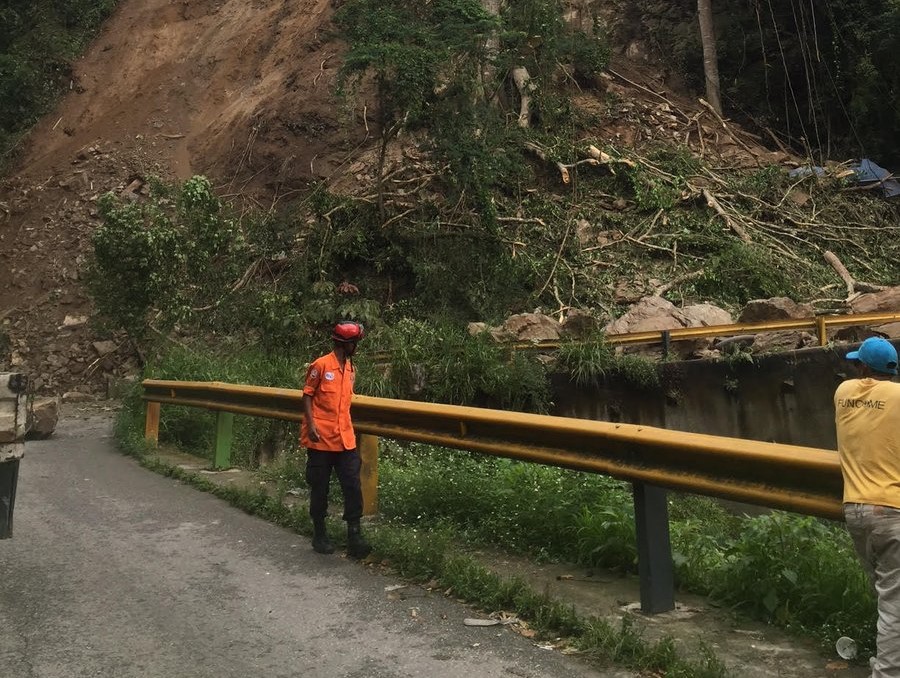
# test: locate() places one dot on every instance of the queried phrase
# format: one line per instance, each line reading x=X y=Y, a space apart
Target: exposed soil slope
x=240 y=91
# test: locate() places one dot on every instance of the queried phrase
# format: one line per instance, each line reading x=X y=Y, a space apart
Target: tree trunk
x=710 y=57
x=491 y=50
x=523 y=83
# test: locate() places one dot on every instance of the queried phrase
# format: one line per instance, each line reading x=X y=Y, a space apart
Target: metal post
x=9 y=478
x=666 y=343
x=651 y=515
x=822 y=330
x=224 y=422
x=368 y=453
x=151 y=424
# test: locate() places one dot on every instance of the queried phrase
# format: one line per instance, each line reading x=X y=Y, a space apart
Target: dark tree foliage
x=822 y=73
x=38 y=41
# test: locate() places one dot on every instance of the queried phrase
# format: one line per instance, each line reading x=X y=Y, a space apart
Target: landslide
x=238 y=90
x=244 y=93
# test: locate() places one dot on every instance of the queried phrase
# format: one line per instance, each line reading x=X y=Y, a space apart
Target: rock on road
x=116 y=571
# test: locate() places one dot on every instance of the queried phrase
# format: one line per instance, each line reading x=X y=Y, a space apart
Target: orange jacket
x=331 y=388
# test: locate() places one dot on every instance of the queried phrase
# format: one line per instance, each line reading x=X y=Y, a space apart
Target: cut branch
x=853 y=286
x=562 y=167
x=732 y=224
x=732 y=134
x=675 y=282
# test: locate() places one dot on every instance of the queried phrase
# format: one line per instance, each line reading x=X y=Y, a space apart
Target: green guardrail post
x=224 y=422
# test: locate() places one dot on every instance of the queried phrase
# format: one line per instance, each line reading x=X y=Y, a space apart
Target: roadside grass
x=797 y=572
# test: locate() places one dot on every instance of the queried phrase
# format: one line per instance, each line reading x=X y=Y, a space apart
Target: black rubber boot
x=320 y=541
x=357 y=547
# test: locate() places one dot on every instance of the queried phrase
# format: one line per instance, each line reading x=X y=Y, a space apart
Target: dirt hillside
x=242 y=92
x=238 y=90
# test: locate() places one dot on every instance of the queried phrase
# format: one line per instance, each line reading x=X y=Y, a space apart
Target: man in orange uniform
x=327 y=433
x=867 y=414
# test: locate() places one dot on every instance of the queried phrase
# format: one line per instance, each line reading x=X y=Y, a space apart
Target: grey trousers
x=876 y=535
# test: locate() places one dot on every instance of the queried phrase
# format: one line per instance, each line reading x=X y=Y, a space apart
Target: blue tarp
x=867 y=173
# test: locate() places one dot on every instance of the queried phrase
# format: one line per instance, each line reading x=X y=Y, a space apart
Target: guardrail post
x=651 y=515
x=224 y=422
x=151 y=424
x=666 y=343
x=368 y=475
x=9 y=478
x=822 y=330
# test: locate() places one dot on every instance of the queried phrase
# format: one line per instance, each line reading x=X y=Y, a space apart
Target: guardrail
x=819 y=324
x=800 y=479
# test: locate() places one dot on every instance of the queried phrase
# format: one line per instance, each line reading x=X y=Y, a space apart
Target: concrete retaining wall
x=785 y=398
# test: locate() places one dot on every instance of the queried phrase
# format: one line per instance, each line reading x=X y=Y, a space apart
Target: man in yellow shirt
x=867 y=417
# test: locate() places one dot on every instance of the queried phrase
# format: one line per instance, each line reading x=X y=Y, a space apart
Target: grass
x=798 y=572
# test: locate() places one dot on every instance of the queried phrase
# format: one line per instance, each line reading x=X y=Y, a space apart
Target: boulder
x=776 y=308
x=786 y=340
x=656 y=313
x=885 y=301
x=628 y=292
x=854 y=334
x=889 y=330
x=43 y=416
x=533 y=327
x=74 y=320
x=75 y=397
x=705 y=315
x=104 y=347
x=650 y=313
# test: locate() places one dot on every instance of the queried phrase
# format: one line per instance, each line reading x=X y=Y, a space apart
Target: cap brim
x=853 y=355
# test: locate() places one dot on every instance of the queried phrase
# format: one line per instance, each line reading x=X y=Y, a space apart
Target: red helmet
x=347 y=331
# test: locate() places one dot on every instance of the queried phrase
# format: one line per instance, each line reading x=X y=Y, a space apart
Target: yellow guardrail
x=800 y=479
x=819 y=324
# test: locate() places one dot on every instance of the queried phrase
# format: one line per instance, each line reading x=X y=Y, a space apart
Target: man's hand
x=313 y=433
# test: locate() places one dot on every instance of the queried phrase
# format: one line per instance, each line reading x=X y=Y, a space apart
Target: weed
x=590 y=362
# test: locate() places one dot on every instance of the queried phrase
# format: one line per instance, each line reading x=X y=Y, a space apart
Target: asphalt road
x=116 y=571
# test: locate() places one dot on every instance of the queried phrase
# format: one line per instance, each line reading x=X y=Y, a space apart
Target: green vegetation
x=589 y=362
x=38 y=41
x=797 y=572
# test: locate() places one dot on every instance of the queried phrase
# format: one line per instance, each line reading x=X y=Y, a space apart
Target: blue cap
x=877 y=353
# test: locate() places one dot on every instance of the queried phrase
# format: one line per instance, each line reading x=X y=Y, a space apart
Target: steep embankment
x=240 y=91
x=243 y=93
